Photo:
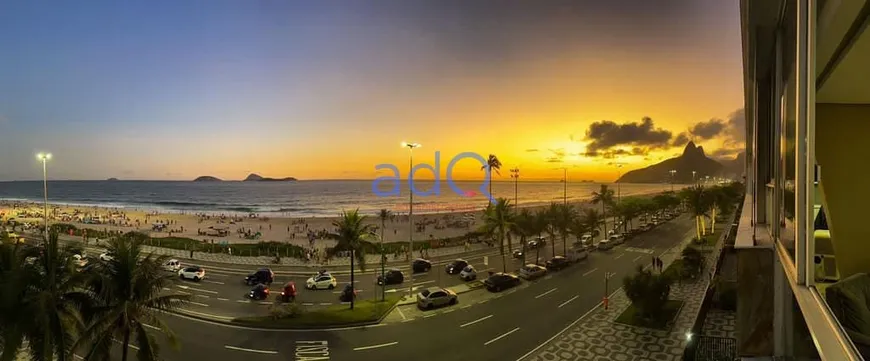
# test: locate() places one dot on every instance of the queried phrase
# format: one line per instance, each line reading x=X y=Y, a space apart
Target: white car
x=468 y=273
x=194 y=273
x=617 y=239
x=106 y=257
x=79 y=260
x=532 y=271
x=321 y=281
x=172 y=265
x=605 y=245
x=586 y=239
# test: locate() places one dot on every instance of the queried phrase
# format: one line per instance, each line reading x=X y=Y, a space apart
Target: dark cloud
x=680 y=140
x=554 y=160
x=709 y=129
x=532 y=150
x=725 y=153
x=606 y=134
x=558 y=152
x=737 y=127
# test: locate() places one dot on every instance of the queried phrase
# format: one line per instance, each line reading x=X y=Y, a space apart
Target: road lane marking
x=223 y=299
x=268 y=352
x=203 y=296
x=197 y=303
x=376 y=346
x=307 y=304
x=429 y=315
x=242 y=301
x=475 y=321
x=636 y=258
x=620 y=255
x=130 y=345
x=214 y=282
x=546 y=293
x=464 y=307
x=401 y=313
x=408 y=320
x=149 y=326
x=325 y=303
x=449 y=310
x=590 y=272
x=568 y=301
x=502 y=336
x=195 y=289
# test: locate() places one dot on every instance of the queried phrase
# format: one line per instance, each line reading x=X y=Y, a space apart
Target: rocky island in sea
x=253 y=177
x=207 y=178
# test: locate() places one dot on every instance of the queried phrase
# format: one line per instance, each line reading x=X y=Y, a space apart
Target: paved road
x=506 y=326
x=223 y=293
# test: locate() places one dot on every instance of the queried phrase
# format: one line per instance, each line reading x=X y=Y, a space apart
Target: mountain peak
x=692 y=150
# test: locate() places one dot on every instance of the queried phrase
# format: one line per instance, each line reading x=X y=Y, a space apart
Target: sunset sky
x=328 y=89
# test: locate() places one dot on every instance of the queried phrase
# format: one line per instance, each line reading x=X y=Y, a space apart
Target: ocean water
x=321 y=198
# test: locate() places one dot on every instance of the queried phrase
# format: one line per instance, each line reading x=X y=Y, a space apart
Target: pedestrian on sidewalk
x=191 y=254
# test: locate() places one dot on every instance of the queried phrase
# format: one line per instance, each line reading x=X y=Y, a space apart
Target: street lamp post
x=618 y=175
x=607 y=277
x=411 y=147
x=673 y=172
x=565 y=186
x=44 y=157
x=515 y=174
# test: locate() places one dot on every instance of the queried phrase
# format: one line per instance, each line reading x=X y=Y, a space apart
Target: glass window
x=788 y=130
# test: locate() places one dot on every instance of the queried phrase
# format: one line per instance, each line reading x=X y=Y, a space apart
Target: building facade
x=803 y=241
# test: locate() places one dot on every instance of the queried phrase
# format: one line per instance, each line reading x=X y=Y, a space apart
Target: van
x=576 y=255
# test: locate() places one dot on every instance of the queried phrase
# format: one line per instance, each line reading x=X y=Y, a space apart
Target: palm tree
x=524 y=226
x=591 y=220
x=353 y=235
x=13 y=300
x=52 y=302
x=498 y=218
x=552 y=216
x=128 y=290
x=383 y=215
x=540 y=223
x=493 y=164
x=605 y=197
x=563 y=219
x=696 y=200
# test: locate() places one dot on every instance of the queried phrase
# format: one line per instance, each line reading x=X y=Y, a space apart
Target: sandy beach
x=235 y=228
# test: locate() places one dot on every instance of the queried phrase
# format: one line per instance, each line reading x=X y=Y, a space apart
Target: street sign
x=486 y=260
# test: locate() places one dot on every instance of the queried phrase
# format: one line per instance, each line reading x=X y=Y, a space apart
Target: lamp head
x=43 y=156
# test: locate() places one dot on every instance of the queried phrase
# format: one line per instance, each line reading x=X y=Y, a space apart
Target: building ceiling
x=849 y=82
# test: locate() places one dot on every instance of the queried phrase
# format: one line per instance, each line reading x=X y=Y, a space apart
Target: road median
x=365 y=313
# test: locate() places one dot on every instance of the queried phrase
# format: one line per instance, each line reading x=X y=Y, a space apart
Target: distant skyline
x=173 y=90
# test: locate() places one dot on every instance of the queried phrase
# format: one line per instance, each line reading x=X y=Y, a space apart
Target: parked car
x=262 y=275
x=456 y=266
x=501 y=281
x=436 y=297
x=172 y=265
x=518 y=253
x=321 y=281
x=576 y=255
x=617 y=239
x=194 y=273
x=421 y=265
x=259 y=292
x=604 y=245
x=540 y=241
x=391 y=277
x=558 y=263
x=468 y=273
x=106 y=257
x=532 y=271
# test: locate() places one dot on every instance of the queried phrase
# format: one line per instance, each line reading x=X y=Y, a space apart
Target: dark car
x=392 y=277
x=263 y=275
x=421 y=265
x=456 y=266
x=501 y=281
x=259 y=292
x=518 y=253
x=557 y=263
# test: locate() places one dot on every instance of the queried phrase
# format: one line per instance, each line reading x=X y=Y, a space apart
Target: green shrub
x=693 y=261
x=648 y=292
x=279 y=310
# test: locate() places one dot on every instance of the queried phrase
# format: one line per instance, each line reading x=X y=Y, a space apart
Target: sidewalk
x=597 y=337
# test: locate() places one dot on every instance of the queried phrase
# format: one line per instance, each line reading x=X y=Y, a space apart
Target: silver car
x=436 y=297
x=532 y=271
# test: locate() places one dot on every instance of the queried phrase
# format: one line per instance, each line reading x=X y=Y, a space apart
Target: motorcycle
x=289 y=292
x=347 y=294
